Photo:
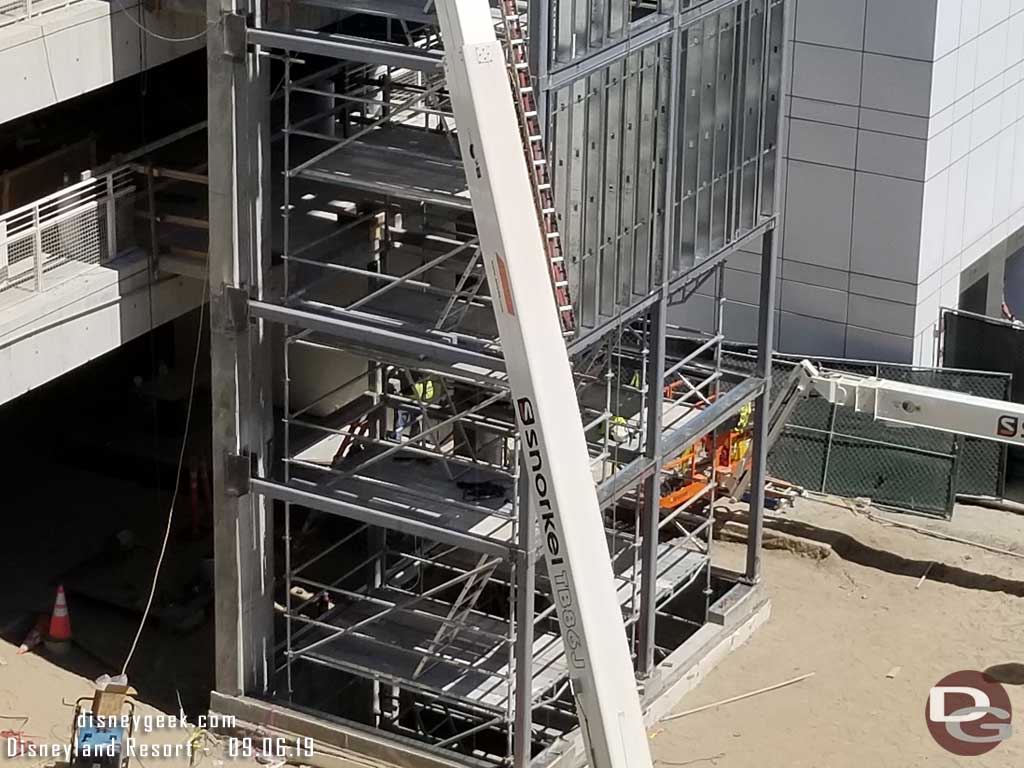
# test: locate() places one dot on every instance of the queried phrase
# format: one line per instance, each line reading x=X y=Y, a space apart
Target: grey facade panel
x=822 y=143
x=890 y=155
x=838 y=23
x=909 y=33
x=828 y=74
x=897 y=85
x=805 y=335
x=886 y=227
x=819 y=200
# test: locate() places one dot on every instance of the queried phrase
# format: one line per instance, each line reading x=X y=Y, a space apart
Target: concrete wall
x=92 y=43
x=55 y=331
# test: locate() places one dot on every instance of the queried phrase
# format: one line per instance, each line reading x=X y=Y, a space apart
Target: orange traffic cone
x=59 y=636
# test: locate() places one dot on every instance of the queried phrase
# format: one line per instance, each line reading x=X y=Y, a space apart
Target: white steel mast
x=561 y=485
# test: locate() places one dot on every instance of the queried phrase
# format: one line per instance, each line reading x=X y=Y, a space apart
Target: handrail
x=13 y=11
x=72 y=229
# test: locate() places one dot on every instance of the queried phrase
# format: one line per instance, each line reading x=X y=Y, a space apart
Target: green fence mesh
x=836 y=450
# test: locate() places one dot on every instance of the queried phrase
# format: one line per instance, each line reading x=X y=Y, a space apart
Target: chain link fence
x=839 y=451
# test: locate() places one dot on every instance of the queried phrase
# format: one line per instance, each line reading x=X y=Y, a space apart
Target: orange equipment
x=60 y=621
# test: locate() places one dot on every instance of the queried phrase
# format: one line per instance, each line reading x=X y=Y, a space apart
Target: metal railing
x=63 y=234
x=12 y=11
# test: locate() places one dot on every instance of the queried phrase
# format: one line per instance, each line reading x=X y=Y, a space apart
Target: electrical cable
x=158 y=36
x=177 y=475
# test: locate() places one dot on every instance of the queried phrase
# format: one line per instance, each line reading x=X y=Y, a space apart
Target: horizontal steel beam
x=406 y=10
x=622 y=482
x=292 y=494
x=698 y=270
x=653 y=29
x=713 y=416
x=679 y=439
x=347 y=47
x=389 y=344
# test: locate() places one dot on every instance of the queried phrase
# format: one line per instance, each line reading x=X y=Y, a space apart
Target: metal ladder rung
x=566 y=308
x=557 y=259
x=552 y=235
x=561 y=283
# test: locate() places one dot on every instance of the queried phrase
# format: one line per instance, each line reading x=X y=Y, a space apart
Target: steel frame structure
x=427 y=610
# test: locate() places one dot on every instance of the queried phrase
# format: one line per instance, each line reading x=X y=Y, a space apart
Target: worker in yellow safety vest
x=425 y=391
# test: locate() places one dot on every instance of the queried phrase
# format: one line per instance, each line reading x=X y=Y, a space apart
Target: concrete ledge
x=682 y=671
x=346 y=737
x=53 y=332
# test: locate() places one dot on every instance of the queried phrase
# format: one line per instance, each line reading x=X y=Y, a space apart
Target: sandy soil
x=37 y=697
x=852 y=625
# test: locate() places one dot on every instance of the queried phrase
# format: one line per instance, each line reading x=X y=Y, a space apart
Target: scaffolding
x=410 y=595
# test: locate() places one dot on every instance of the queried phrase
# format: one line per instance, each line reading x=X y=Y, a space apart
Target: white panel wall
x=860 y=98
x=904 y=166
x=974 y=178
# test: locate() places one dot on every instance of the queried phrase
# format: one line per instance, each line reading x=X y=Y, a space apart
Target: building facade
x=903 y=175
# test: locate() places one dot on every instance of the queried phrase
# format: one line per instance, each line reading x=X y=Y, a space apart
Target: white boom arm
x=561 y=485
x=916 y=406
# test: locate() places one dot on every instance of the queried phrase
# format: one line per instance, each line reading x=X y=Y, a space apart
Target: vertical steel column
x=539 y=28
x=766 y=323
x=651 y=512
x=238 y=137
x=762 y=405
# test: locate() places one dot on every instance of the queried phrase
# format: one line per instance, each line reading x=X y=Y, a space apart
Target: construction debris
x=742 y=696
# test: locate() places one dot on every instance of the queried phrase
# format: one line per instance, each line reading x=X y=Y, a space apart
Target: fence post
x=28 y=9
x=37 y=247
x=111 y=218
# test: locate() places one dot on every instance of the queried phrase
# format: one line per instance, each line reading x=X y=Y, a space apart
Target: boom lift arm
x=556 y=461
x=897 y=403
x=912 y=405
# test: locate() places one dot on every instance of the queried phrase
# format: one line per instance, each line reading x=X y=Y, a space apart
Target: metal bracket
x=236 y=309
x=234 y=36
x=237 y=474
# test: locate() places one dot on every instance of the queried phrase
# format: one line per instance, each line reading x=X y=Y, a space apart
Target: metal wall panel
x=609 y=130
x=609 y=134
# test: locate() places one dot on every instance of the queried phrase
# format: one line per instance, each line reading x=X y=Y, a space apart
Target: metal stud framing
x=410 y=585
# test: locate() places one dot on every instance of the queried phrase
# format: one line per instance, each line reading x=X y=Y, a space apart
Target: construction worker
x=424 y=391
x=618 y=429
x=746 y=412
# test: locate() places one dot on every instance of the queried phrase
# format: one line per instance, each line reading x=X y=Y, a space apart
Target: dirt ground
x=37 y=697
x=852 y=618
x=852 y=624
